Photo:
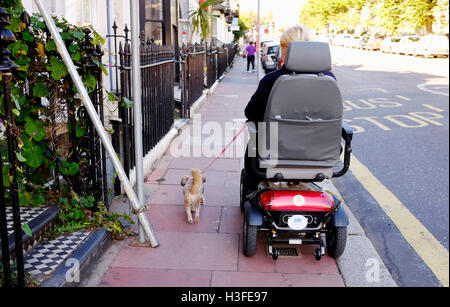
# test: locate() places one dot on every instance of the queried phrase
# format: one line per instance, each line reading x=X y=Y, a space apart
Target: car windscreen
x=272 y=49
x=440 y=40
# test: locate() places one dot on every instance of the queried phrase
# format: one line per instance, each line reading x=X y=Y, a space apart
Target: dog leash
x=225 y=149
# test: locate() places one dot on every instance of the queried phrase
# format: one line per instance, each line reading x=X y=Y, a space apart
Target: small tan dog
x=193 y=194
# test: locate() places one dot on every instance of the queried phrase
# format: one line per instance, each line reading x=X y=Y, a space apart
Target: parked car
x=264 y=45
x=353 y=42
x=388 y=44
x=362 y=43
x=325 y=38
x=432 y=46
x=374 y=42
x=278 y=59
x=335 y=40
x=340 y=39
x=407 y=45
x=270 y=58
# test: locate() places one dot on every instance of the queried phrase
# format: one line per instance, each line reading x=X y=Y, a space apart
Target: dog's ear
x=184 y=180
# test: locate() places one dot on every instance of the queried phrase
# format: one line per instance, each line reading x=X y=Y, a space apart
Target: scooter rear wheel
x=249 y=239
x=243 y=190
x=336 y=239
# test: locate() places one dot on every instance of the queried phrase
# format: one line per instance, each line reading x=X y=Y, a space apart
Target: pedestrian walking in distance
x=251 y=50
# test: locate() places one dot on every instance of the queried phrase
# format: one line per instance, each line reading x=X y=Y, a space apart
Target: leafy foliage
x=44 y=99
x=243 y=28
x=77 y=214
x=29 y=280
x=388 y=15
x=201 y=17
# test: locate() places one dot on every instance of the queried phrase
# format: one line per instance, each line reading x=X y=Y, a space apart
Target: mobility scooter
x=304 y=122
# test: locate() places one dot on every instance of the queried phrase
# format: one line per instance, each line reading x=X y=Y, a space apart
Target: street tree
x=201 y=18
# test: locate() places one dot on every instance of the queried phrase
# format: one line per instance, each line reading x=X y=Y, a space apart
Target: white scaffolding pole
x=137 y=98
x=138 y=207
x=258 y=61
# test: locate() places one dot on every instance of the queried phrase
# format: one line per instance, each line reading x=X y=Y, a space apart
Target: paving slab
x=201 y=163
x=213 y=178
x=245 y=279
x=131 y=277
x=184 y=251
x=215 y=195
x=174 y=219
x=231 y=220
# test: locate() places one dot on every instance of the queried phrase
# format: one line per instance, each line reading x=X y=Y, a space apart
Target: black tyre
x=243 y=189
x=249 y=239
x=336 y=240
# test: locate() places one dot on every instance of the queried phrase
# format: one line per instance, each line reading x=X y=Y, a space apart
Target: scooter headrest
x=308 y=57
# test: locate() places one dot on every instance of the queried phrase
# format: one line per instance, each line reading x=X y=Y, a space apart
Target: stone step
x=40 y=220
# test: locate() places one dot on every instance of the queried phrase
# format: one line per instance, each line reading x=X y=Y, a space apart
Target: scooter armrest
x=347 y=132
x=347 y=135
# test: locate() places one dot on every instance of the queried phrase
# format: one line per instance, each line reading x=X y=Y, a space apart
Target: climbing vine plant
x=44 y=100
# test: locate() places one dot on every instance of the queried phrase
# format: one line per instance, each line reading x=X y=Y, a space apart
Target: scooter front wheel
x=336 y=239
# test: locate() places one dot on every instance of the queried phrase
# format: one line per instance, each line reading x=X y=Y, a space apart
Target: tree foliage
x=243 y=28
x=201 y=17
x=388 y=15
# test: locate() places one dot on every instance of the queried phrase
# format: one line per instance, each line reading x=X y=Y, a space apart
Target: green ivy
x=42 y=74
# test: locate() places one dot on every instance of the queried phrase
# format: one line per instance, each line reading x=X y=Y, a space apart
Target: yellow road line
x=404 y=98
x=433 y=108
x=432 y=252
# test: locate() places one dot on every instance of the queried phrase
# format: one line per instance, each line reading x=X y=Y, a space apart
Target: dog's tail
x=197 y=178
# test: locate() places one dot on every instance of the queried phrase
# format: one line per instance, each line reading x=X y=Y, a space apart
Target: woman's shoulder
x=272 y=77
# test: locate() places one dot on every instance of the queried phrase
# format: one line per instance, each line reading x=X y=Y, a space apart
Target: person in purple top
x=251 y=50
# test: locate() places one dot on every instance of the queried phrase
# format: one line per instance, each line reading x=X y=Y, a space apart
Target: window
x=154 y=30
x=154 y=20
x=78 y=12
x=153 y=10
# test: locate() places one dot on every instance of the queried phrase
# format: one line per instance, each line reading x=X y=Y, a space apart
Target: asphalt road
x=399 y=181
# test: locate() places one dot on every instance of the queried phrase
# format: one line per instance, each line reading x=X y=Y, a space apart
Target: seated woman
x=256 y=108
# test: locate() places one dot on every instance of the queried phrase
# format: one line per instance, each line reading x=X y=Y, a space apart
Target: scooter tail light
x=266 y=198
x=297 y=201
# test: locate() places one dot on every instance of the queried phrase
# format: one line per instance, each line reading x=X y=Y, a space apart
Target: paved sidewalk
x=210 y=253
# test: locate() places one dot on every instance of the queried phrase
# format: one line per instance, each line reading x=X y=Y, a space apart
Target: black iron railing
x=158 y=74
x=211 y=66
x=232 y=51
x=201 y=67
x=6 y=67
x=193 y=73
x=222 y=61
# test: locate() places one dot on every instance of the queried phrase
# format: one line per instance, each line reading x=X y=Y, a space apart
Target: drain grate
x=288 y=252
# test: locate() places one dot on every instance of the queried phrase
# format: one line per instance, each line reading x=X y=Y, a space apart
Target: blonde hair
x=297 y=33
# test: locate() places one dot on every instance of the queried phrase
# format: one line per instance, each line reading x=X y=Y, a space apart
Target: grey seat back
x=308 y=109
